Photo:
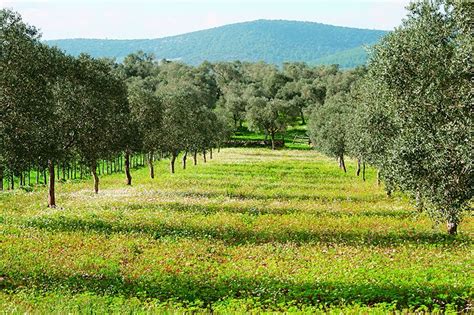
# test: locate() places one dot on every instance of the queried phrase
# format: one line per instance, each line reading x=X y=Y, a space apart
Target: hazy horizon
x=146 y=19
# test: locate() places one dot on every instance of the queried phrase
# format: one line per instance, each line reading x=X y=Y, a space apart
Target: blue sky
x=158 y=18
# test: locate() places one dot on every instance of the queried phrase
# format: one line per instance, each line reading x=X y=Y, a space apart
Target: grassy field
x=251 y=230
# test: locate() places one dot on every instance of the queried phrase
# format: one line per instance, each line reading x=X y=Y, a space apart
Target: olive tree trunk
x=363 y=171
x=173 y=159
x=210 y=153
x=127 y=168
x=358 y=167
x=195 y=161
x=342 y=164
x=94 y=175
x=204 y=156
x=185 y=156
x=150 y=164
x=51 y=194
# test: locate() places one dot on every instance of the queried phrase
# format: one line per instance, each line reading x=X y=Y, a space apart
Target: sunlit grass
x=252 y=229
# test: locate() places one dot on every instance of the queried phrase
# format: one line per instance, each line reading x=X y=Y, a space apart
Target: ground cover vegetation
x=400 y=130
x=252 y=229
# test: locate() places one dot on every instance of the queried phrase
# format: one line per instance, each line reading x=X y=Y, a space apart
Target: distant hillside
x=350 y=58
x=273 y=41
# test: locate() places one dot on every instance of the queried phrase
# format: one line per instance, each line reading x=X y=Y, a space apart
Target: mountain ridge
x=273 y=41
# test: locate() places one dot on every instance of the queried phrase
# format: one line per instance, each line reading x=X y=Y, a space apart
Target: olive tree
x=423 y=72
x=29 y=111
x=265 y=111
x=24 y=93
x=177 y=120
x=146 y=112
x=103 y=111
x=327 y=127
x=267 y=115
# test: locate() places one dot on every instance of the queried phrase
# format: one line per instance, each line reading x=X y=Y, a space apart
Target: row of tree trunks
x=68 y=171
x=64 y=171
x=94 y=168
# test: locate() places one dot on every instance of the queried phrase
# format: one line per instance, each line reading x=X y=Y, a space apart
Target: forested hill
x=273 y=41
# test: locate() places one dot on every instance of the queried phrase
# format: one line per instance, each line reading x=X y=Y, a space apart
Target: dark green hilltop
x=272 y=41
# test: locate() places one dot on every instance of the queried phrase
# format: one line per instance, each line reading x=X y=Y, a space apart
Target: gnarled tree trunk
x=210 y=153
x=185 y=156
x=358 y=167
x=204 y=156
x=51 y=193
x=173 y=159
x=150 y=164
x=363 y=171
x=195 y=161
x=342 y=164
x=127 y=168
x=94 y=175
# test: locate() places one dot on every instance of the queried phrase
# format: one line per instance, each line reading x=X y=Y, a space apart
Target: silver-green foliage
x=422 y=113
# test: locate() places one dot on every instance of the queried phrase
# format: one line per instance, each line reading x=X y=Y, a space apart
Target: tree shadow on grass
x=282 y=196
x=189 y=288
x=246 y=235
x=256 y=210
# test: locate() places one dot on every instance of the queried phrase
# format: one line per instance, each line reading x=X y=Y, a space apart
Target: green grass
x=251 y=230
